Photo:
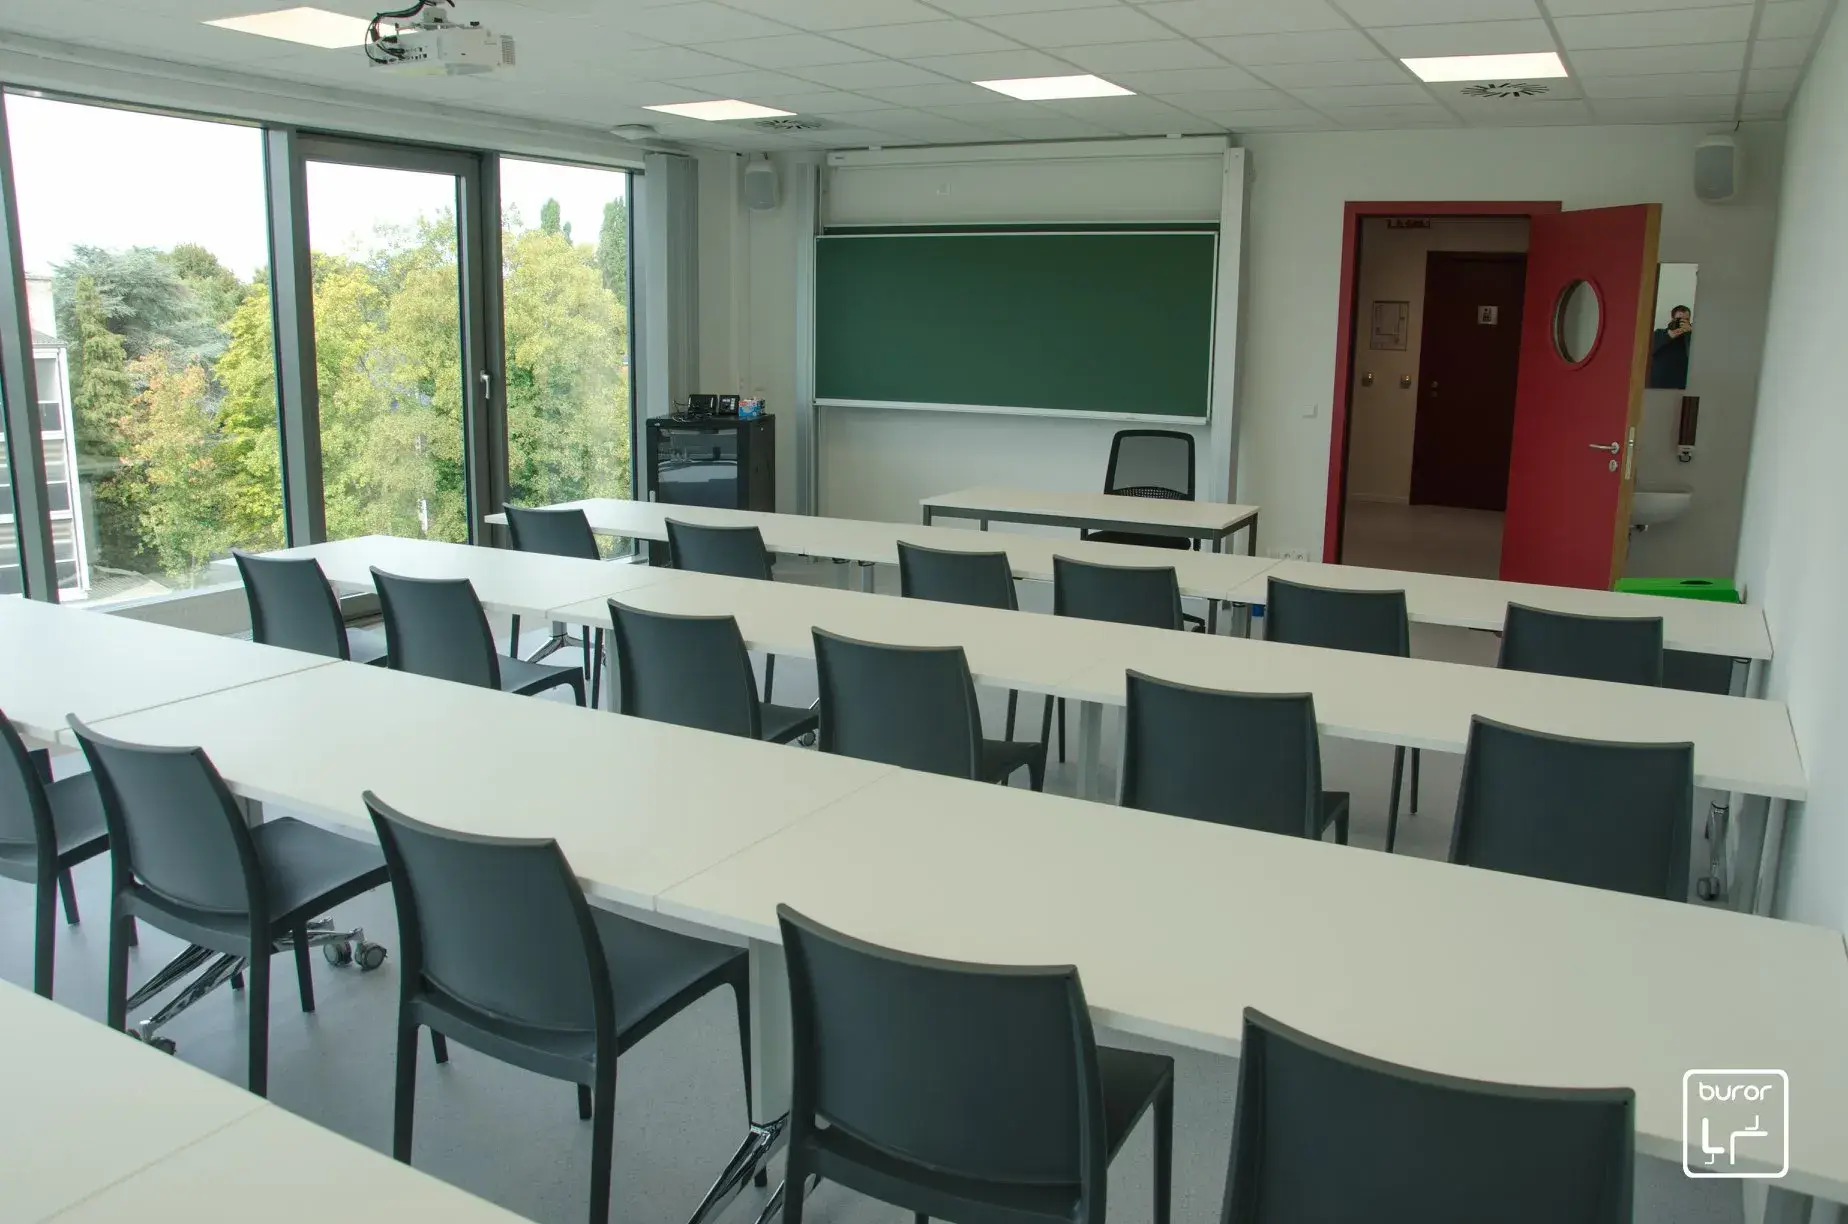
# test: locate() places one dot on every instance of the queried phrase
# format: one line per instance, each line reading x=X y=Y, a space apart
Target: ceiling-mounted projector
x=421 y=41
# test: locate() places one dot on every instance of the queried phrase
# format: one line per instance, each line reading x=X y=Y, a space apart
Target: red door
x=1584 y=353
x=1466 y=379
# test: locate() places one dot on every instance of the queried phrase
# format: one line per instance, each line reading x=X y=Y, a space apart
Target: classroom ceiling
x=897 y=72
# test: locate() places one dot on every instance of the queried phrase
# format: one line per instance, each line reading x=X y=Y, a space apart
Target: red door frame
x=1355 y=212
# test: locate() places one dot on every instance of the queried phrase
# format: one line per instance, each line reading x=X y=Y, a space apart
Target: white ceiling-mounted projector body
x=429 y=45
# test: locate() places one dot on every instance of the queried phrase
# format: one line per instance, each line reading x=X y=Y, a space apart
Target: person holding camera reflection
x=1668 y=351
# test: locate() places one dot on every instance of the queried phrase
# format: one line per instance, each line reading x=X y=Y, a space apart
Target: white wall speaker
x=760 y=185
x=1717 y=176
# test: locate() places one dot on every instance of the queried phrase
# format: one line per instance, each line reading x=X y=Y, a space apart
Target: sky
x=91 y=175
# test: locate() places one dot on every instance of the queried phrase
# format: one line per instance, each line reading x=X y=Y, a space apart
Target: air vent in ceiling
x=792 y=123
x=1506 y=89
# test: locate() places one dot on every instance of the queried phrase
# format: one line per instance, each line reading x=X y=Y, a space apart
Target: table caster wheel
x=370 y=956
x=339 y=954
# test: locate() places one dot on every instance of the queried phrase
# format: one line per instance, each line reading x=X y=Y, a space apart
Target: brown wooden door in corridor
x=1468 y=367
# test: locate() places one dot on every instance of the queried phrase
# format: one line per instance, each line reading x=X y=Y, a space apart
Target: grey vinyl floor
x=515 y=1139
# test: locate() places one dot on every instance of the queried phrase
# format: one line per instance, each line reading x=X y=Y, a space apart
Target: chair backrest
x=736 y=552
x=1605 y=815
x=984 y=580
x=1325 y=1134
x=174 y=828
x=436 y=627
x=292 y=604
x=499 y=925
x=910 y=706
x=978 y=1072
x=25 y=810
x=1371 y=622
x=1245 y=759
x=690 y=670
x=1622 y=649
x=560 y=533
x=1151 y=463
x=1128 y=595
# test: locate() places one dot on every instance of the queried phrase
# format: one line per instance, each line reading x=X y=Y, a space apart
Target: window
x=565 y=285
x=149 y=293
x=12 y=580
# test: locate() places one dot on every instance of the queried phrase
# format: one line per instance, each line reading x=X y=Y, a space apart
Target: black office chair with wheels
x=184 y=860
x=959 y=1091
x=558 y=533
x=293 y=605
x=732 y=552
x=1368 y=622
x=501 y=952
x=46 y=828
x=914 y=707
x=1605 y=815
x=436 y=627
x=1621 y=649
x=1123 y=594
x=1252 y=760
x=695 y=671
x=980 y=580
x=1326 y=1134
x=1157 y=463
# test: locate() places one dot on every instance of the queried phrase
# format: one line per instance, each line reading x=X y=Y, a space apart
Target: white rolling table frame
x=1211 y=523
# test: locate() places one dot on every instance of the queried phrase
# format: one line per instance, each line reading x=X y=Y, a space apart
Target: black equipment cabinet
x=712 y=461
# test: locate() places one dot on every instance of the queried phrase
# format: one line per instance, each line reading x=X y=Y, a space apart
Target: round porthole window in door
x=1577 y=317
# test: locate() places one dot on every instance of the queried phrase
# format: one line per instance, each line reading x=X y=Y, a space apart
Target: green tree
x=548 y=217
x=102 y=397
x=613 y=249
x=217 y=291
x=144 y=299
x=173 y=446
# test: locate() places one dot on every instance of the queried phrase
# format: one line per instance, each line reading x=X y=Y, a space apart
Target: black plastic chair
x=1615 y=816
x=436 y=627
x=974 y=1093
x=914 y=707
x=1157 y=463
x=1325 y=1134
x=46 y=828
x=1368 y=622
x=501 y=952
x=1246 y=759
x=1123 y=594
x=694 y=671
x=558 y=533
x=184 y=860
x=293 y=605
x=980 y=580
x=731 y=552
x=1621 y=649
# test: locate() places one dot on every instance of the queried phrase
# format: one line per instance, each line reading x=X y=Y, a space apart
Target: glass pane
x=388 y=351
x=565 y=243
x=12 y=580
x=151 y=333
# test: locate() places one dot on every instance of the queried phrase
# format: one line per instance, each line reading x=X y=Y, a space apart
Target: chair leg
x=1341 y=829
x=68 y=891
x=134 y=934
x=577 y=687
x=596 y=673
x=1164 y=1155
x=1392 y=812
x=587 y=656
x=586 y=1107
x=603 y=1137
x=794 y=1190
x=304 y=972
x=259 y=1003
x=1061 y=730
x=45 y=937
x=741 y=996
x=513 y=640
x=115 y=989
x=769 y=675
x=1417 y=756
x=1036 y=773
x=1013 y=700
x=404 y=1091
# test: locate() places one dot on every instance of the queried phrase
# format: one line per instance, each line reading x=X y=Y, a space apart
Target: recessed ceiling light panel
x=313 y=26
x=724 y=108
x=1046 y=89
x=1487 y=67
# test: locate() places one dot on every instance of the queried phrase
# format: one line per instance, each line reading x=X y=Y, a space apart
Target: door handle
x=1614 y=448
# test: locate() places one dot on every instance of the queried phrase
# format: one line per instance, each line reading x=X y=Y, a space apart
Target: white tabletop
x=56 y=661
x=1177 y=926
x=504 y=580
x=1702 y=626
x=1091 y=509
x=635 y=805
x=81 y=1107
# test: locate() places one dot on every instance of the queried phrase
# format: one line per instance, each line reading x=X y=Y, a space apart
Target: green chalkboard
x=1091 y=322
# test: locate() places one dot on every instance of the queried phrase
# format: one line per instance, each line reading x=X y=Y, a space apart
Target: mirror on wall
x=1672 y=340
x=1576 y=319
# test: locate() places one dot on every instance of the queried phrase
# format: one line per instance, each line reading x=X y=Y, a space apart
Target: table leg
x=1251 y=537
x=1755 y=678
x=769 y=1079
x=1091 y=751
x=866 y=575
x=1212 y=616
x=1770 y=850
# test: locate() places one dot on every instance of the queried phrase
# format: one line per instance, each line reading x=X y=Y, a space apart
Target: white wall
x=1797 y=502
x=1301 y=183
x=1384 y=416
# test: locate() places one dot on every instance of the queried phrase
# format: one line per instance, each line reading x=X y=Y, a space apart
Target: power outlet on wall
x=1288 y=554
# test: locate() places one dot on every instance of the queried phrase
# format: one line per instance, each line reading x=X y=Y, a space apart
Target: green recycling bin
x=1718 y=590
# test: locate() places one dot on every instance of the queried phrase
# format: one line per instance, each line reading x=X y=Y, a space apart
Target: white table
x=1177 y=926
x=56 y=661
x=1212 y=522
x=97 y=1127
